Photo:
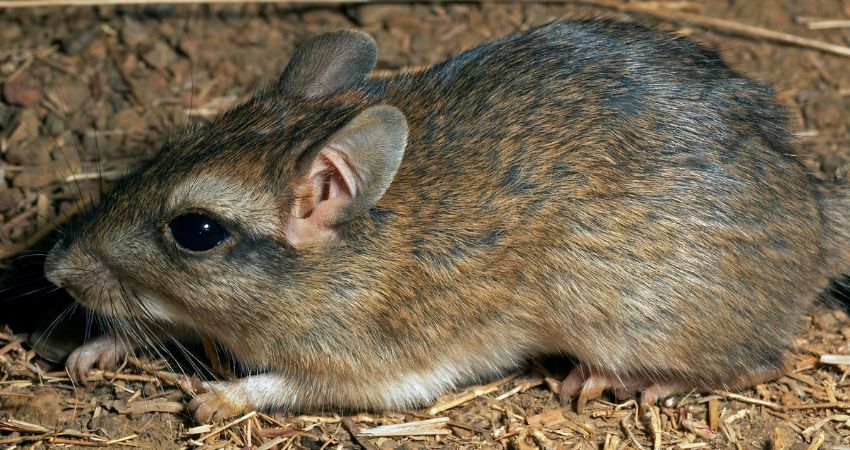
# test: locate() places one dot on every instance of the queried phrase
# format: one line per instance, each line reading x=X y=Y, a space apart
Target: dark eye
x=197 y=232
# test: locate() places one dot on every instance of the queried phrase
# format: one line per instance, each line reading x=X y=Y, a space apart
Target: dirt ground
x=102 y=88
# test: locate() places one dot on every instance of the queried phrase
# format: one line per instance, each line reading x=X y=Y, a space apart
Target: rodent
x=587 y=187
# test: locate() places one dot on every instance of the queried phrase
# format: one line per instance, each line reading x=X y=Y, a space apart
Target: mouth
x=81 y=293
x=72 y=291
x=71 y=287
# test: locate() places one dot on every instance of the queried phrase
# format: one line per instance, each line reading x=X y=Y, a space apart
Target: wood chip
x=713 y=414
x=782 y=437
x=547 y=419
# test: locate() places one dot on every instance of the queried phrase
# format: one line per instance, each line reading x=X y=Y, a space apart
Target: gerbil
x=590 y=187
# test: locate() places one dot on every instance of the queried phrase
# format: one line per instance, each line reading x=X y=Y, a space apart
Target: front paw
x=102 y=352
x=217 y=402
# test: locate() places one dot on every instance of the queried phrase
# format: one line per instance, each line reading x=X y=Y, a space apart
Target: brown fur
x=589 y=188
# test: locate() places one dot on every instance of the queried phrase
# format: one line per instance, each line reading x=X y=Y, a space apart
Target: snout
x=53 y=265
x=65 y=271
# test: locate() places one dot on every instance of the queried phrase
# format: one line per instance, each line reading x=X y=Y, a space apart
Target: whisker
x=198 y=366
x=78 y=143
x=42 y=291
x=65 y=313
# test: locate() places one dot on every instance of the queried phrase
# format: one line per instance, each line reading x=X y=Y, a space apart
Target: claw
x=588 y=383
x=593 y=387
x=103 y=352
x=213 y=404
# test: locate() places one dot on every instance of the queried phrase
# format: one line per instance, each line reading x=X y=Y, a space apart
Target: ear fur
x=329 y=62
x=348 y=174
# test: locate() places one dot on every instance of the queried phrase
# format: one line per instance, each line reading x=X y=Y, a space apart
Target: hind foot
x=585 y=383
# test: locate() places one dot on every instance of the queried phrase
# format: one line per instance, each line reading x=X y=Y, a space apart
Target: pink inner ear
x=330 y=186
x=334 y=160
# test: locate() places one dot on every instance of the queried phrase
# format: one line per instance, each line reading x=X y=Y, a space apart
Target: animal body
x=590 y=188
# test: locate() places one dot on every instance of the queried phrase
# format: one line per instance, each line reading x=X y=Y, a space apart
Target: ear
x=347 y=175
x=329 y=62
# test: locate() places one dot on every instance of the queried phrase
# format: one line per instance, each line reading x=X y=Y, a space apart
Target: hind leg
x=663 y=389
x=585 y=383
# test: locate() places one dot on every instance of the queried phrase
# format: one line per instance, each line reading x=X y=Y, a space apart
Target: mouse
x=592 y=188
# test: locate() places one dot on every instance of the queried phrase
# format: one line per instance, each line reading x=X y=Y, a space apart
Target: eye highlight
x=197 y=232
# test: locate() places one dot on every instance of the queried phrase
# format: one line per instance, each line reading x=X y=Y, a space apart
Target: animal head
x=228 y=215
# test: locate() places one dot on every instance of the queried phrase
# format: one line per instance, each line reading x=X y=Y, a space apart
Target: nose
x=53 y=265
x=57 y=271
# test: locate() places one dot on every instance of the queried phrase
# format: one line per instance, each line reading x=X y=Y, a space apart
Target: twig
x=694 y=445
x=522 y=387
x=655 y=427
x=541 y=439
x=66 y=437
x=119 y=440
x=226 y=426
x=98 y=374
x=355 y=434
x=754 y=401
x=829 y=405
x=430 y=427
x=471 y=394
x=817 y=441
x=66 y=441
x=40 y=3
x=201 y=429
x=628 y=429
x=19 y=426
x=8 y=347
x=722 y=25
x=843 y=360
x=827 y=24
x=272 y=443
x=808 y=432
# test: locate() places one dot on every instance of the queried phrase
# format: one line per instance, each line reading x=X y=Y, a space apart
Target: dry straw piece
x=430 y=427
x=843 y=360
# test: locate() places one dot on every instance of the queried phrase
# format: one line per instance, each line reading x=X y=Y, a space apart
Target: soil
x=88 y=93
